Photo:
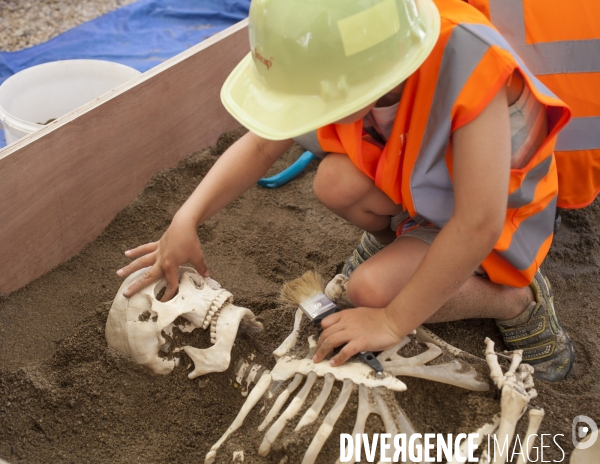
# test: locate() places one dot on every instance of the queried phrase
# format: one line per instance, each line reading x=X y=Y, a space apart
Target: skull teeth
x=222 y=297
x=213 y=328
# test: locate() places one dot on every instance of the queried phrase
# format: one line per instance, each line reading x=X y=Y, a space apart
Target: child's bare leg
x=350 y=194
x=379 y=279
x=346 y=191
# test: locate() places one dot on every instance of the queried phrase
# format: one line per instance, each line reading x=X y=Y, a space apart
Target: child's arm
x=238 y=169
x=481 y=175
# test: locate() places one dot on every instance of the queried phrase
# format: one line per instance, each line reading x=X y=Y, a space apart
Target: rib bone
x=290 y=412
x=327 y=426
x=281 y=400
x=311 y=414
x=291 y=339
x=255 y=395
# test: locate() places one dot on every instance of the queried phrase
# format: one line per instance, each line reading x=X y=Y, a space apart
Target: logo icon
x=580 y=431
x=262 y=59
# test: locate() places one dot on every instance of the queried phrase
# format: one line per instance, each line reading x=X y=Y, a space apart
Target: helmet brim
x=279 y=116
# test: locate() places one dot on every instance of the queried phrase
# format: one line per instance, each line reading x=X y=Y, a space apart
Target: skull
x=137 y=326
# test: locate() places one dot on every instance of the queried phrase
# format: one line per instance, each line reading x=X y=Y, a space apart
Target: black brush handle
x=371 y=360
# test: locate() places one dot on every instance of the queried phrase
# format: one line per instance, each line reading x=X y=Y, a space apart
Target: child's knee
x=365 y=289
x=333 y=184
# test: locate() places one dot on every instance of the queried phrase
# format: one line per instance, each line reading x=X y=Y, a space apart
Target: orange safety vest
x=559 y=42
x=470 y=62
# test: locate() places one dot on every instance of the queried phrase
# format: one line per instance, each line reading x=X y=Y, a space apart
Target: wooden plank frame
x=61 y=186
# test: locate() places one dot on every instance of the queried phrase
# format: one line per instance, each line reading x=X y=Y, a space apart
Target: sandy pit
x=66 y=397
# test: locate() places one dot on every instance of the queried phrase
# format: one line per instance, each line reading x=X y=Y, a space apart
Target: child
x=439 y=146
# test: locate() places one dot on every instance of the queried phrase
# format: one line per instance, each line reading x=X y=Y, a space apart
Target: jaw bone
x=217 y=357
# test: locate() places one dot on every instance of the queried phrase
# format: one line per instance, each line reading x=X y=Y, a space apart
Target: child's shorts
x=405 y=226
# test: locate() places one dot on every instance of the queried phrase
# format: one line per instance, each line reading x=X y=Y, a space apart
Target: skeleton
x=436 y=360
x=375 y=393
x=137 y=326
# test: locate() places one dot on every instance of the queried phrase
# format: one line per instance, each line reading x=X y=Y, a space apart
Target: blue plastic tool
x=289 y=173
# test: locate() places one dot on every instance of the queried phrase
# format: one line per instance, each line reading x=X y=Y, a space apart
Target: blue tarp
x=140 y=35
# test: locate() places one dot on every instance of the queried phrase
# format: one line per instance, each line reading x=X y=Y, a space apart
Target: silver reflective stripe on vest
x=570 y=56
x=493 y=37
x=580 y=134
x=560 y=57
x=528 y=238
x=431 y=186
x=526 y=192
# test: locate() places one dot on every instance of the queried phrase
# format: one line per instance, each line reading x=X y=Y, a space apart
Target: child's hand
x=360 y=329
x=178 y=245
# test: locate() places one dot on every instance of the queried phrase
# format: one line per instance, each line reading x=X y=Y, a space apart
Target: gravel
x=25 y=23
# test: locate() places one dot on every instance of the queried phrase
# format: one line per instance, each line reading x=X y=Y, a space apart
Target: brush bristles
x=302 y=288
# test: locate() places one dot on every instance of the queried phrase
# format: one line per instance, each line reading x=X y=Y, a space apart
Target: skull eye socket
x=197 y=281
x=159 y=292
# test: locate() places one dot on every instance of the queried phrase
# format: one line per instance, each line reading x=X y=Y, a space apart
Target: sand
x=65 y=396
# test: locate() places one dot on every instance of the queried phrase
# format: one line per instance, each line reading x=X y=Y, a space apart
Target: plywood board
x=61 y=186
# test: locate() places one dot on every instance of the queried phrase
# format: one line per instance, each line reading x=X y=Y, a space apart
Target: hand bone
x=516 y=385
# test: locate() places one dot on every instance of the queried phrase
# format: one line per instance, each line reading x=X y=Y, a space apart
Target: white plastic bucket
x=33 y=97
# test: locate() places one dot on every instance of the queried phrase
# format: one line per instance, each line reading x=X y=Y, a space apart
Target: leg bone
x=535 y=419
x=482 y=432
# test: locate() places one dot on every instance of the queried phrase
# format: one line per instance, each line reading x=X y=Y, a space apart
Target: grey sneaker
x=366 y=248
x=545 y=343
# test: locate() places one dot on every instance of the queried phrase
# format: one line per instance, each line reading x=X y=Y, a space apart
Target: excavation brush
x=307 y=293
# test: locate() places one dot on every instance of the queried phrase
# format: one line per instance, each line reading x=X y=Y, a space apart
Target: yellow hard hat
x=314 y=62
